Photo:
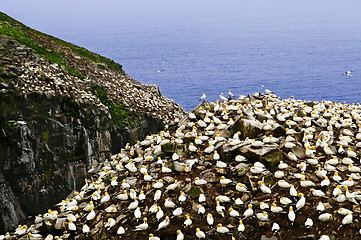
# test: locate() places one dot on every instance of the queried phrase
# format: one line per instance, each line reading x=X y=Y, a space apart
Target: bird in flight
x=348 y=73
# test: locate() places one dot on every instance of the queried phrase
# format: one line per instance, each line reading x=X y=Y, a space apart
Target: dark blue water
x=191 y=47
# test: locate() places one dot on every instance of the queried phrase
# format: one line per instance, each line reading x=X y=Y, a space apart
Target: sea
x=191 y=47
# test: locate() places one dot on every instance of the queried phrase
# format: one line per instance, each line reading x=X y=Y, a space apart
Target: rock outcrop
x=63 y=109
x=208 y=177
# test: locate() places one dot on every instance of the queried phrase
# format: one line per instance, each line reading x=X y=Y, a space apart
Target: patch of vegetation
x=195 y=191
x=48 y=46
x=121 y=116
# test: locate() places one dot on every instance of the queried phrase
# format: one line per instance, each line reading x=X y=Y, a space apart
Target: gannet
x=133 y=205
x=203 y=98
x=220 y=209
x=308 y=223
x=262 y=216
x=291 y=215
x=285 y=200
x=164 y=223
x=283 y=184
x=199 y=181
x=71 y=225
x=152 y=237
x=224 y=99
x=180 y=235
x=264 y=188
x=325 y=217
x=201 y=198
x=233 y=212
x=225 y=181
x=188 y=221
x=301 y=202
x=169 y=204
x=221 y=229
x=249 y=212
x=201 y=209
x=241 y=227
x=160 y=214
x=348 y=73
x=200 y=234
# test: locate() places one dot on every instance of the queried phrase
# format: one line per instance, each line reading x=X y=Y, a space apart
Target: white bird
x=264 y=188
x=91 y=214
x=169 y=204
x=263 y=205
x=225 y=181
x=120 y=230
x=177 y=212
x=203 y=98
x=293 y=191
x=283 y=184
x=233 y=212
x=224 y=99
x=325 y=217
x=275 y=228
x=86 y=229
x=159 y=214
x=291 y=215
x=222 y=198
x=201 y=198
x=249 y=212
x=262 y=216
x=71 y=225
x=164 y=223
x=301 y=202
x=308 y=223
x=317 y=193
x=307 y=183
x=110 y=223
x=324 y=237
x=276 y=209
x=152 y=237
x=221 y=164
x=347 y=219
x=188 y=221
x=220 y=209
x=230 y=94
x=157 y=195
x=180 y=235
x=241 y=187
x=137 y=213
x=133 y=205
x=348 y=73
x=285 y=200
x=320 y=207
x=201 y=209
x=210 y=219
x=200 y=234
x=182 y=197
x=199 y=181
x=221 y=229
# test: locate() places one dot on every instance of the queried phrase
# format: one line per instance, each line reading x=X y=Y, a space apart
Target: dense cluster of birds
x=36 y=74
x=158 y=188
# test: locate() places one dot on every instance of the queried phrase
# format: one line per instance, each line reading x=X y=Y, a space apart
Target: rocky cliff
x=63 y=109
x=247 y=168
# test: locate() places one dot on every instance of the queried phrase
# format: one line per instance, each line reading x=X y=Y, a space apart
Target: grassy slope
x=56 y=50
x=45 y=45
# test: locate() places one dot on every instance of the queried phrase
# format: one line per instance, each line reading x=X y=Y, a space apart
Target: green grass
x=48 y=46
x=121 y=116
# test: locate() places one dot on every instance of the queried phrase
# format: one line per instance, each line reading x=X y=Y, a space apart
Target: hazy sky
x=47 y=14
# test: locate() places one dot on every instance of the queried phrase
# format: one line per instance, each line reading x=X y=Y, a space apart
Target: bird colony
x=37 y=75
x=245 y=168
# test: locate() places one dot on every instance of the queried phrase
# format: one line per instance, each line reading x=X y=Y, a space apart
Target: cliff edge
x=63 y=109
